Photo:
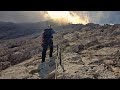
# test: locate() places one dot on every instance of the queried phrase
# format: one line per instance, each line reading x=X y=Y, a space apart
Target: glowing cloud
x=67 y=17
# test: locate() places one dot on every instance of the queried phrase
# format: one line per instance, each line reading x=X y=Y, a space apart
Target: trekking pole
x=61 y=61
x=56 y=62
x=60 y=56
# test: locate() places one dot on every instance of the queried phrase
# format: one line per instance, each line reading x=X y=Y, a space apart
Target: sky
x=99 y=17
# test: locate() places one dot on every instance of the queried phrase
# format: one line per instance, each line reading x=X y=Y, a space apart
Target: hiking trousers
x=45 y=47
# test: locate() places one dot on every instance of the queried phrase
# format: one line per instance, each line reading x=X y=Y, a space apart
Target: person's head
x=49 y=26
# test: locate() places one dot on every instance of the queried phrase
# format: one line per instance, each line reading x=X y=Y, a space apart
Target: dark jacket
x=47 y=35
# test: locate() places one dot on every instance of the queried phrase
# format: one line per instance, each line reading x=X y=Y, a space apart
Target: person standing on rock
x=47 y=41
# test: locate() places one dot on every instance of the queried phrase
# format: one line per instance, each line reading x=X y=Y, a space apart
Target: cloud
x=100 y=17
x=20 y=16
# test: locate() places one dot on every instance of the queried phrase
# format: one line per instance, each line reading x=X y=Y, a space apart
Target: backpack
x=47 y=35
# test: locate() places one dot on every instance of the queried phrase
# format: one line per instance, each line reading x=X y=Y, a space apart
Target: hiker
x=47 y=42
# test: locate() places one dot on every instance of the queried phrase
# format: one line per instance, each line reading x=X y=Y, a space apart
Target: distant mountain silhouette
x=9 y=30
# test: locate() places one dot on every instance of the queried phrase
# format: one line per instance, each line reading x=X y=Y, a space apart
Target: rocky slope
x=88 y=51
